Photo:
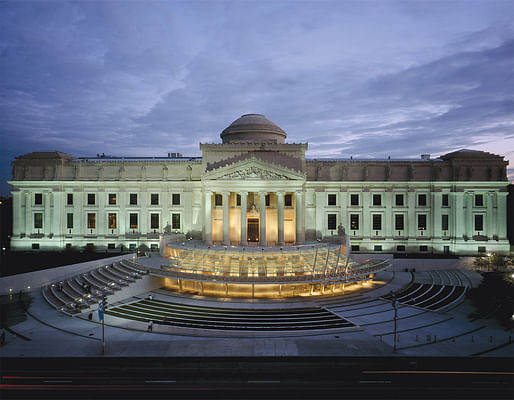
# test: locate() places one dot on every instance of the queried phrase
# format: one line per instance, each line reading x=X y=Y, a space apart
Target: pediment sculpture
x=254 y=173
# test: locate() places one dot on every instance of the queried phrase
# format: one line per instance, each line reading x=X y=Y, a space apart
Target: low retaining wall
x=420 y=264
x=35 y=280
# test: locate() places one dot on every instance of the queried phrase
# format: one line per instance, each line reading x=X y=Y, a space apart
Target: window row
x=399 y=222
x=400 y=199
x=112 y=199
x=112 y=221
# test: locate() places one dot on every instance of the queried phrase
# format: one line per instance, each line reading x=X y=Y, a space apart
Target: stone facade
x=256 y=189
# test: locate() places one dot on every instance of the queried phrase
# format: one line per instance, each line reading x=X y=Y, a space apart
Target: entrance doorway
x=253 y=230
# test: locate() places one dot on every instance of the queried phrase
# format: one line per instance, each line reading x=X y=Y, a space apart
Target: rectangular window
x=111 y=246
x=332 y=199
x=399 y=199
x=422 y=200
x=288 y=200
x=91 y=221
x=154 y=246
x=154 y=221
x=479 y=200
x=133 y=199
x=398 y=222
x=354 y=222
x=377 y=222
x=481 y=249
x=400 y=248
x=445 y=200
x=175 y=199
x=267 y=200
x=377 y=247
x=91 y=200
x=355 y=247
x=444 y=222
x=112 y=221
x=154 y=199
x=132 y=246
x=133 y=221
x=175 y=221
x=422 y=222
x=377 y=200
x=69 y=221
x=69 y=199
x=218 y=200
x=354 y=199
x=38 y=198
x=112 y=199
x=479 y=222
x=423 y=248
x=238 y=200
x=38 y=220
x=332 y=222
x=35 y=246
x=446 y=249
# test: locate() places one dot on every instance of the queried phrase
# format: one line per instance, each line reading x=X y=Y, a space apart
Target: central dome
x=253 y=128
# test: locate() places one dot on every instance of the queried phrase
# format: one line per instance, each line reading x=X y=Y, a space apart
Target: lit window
x=91 y=221
x=112 y=199
x=112 y=221
x=133 y=221
x=354 y=222
x=332 y=199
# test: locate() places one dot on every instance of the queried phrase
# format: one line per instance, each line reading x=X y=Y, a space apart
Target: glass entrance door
x=253 y=230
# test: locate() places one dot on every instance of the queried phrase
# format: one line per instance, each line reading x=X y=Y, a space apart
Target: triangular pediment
x=253 y=169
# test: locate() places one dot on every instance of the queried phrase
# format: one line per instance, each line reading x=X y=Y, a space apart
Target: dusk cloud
x=367 y=79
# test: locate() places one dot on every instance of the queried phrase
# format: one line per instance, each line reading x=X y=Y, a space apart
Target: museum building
x=256 y=189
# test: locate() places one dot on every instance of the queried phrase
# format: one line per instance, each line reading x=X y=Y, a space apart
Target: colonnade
x=280 y=195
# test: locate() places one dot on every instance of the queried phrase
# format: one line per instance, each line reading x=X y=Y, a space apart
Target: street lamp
x=394 y=302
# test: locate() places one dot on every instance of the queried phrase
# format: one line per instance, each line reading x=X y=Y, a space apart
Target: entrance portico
x=253 y=217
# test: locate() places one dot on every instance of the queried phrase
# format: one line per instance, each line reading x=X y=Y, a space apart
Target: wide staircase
x=73 y=295
x=203 y=317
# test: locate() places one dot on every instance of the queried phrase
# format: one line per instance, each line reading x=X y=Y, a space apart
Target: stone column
x=244 y=206
x=280 y=201
x=47 y=225
x=300 y=227
x=207 y=223
x=29 y=220
x=226 y=239
x=262 y=218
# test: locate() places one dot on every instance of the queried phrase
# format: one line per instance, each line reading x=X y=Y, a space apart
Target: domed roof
x=253 y=128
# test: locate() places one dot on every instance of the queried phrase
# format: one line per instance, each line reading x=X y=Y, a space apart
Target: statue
x=340 y=230
x=167 y=229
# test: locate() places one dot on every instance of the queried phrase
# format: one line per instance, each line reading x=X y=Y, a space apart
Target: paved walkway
x=421 y=332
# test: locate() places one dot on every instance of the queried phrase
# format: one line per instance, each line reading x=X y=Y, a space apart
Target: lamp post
x=101 y=307
x=394 y=301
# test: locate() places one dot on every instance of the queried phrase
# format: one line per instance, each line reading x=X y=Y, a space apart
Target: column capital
x=281 y=193
x=243 y=192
